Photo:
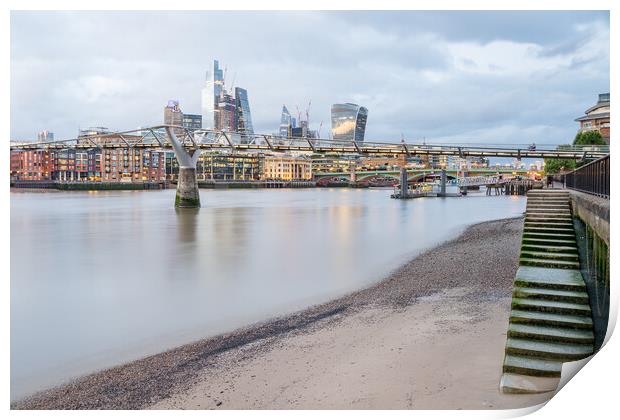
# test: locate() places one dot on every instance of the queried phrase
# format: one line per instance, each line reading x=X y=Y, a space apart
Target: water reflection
x=187 y=220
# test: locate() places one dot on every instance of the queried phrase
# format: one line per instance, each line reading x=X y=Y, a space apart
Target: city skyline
x=439 y=81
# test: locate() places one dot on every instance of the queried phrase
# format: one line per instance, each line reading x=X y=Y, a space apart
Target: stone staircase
x=550 y=319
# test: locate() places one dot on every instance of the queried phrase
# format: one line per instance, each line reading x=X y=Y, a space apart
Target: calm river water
x=99 y=278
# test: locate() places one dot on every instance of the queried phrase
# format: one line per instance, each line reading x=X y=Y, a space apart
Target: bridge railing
x=153 y=137
x=592 y=178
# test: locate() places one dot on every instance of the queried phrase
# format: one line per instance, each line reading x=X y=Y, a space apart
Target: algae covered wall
x=591 y=220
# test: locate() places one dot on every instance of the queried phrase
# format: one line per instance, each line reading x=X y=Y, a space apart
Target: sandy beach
x=429 y=336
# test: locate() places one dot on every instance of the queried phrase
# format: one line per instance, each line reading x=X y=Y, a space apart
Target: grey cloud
x=118 y=69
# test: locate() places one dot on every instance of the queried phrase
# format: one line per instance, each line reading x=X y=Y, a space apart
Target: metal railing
x=592 y=178
x=156 y=137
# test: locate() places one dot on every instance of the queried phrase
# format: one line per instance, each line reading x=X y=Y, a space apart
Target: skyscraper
x=173 y=115
x=285 y=123
x=45 y=136
x=211 y=93
x=243 y=117
x=349 y=122
x=225 y=115
x=192 y=121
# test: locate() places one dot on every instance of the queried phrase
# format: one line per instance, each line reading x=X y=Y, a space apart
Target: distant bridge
x=187 y=146
x=415 y=175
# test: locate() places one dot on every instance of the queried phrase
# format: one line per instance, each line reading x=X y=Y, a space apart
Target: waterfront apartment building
x=334 y=163
x=287 y=168
x=128 y=165
x=381 y=162
x=31 y=165
x=597 y=117
x=349 y=122
x=107 y=165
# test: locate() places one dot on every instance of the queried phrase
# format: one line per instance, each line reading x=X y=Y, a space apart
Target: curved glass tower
x=243 y=117
x=349 y=122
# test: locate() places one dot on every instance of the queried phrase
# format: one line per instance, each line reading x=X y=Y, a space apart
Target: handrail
x=592 y=178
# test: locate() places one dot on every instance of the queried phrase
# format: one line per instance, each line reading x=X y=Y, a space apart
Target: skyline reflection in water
x=99 y=279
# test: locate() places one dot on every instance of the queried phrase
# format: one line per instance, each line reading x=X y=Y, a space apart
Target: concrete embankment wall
x=89 y=186
x=591 y=215
x=593 y=211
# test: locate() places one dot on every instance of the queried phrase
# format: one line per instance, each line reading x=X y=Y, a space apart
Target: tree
x=554 y=166
x=589 y=138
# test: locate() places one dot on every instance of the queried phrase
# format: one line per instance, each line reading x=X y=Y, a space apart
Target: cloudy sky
x=496 y=77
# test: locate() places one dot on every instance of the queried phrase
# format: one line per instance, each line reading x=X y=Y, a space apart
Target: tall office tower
x=285 y=123
x=45 y=136
x=211 y=93
x=173 y=115
x=243 y=117
x=192 y=121
x=225 y=115
x=349 y=122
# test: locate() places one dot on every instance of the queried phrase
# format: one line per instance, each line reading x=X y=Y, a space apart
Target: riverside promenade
x=429 y=336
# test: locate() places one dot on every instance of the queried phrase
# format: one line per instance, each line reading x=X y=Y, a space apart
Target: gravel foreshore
x=483 y=259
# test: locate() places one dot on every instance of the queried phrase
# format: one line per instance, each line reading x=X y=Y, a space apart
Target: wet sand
x=430 y=336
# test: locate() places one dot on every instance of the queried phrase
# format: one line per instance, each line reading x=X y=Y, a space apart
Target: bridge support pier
x=404 y=185
x=443 y=183
x=187 y=195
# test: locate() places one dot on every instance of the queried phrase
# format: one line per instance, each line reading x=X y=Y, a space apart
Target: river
x=100 y=278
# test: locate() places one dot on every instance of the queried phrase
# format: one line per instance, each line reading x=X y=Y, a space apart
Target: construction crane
x=308 y=114
x=232 y=85
x=298 y=115
x=318 y=132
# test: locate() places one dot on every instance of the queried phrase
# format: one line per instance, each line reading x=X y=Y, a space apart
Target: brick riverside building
x=108 y=165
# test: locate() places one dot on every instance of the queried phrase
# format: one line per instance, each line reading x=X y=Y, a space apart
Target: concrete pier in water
x=188 y=195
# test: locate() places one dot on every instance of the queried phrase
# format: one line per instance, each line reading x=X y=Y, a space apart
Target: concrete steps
x=550 y=320
x=548 y=350
x=545 y=333
x=550 y=255
x=549 y=241
x=538 y=277
x=550 y=248
x=533 y=215
x=549 y=235
x=551 y=294
x=551 y=306
x=549 y=263
x=527 y=384
x=532 y=366
x=562 y=224
x=550 y=229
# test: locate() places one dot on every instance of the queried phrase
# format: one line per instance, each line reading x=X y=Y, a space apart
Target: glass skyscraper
x=243 y=117
x=285 y=122
x=211 y=93
x=349 y=122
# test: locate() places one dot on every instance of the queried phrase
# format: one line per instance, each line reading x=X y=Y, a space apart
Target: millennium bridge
x=187 y=146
